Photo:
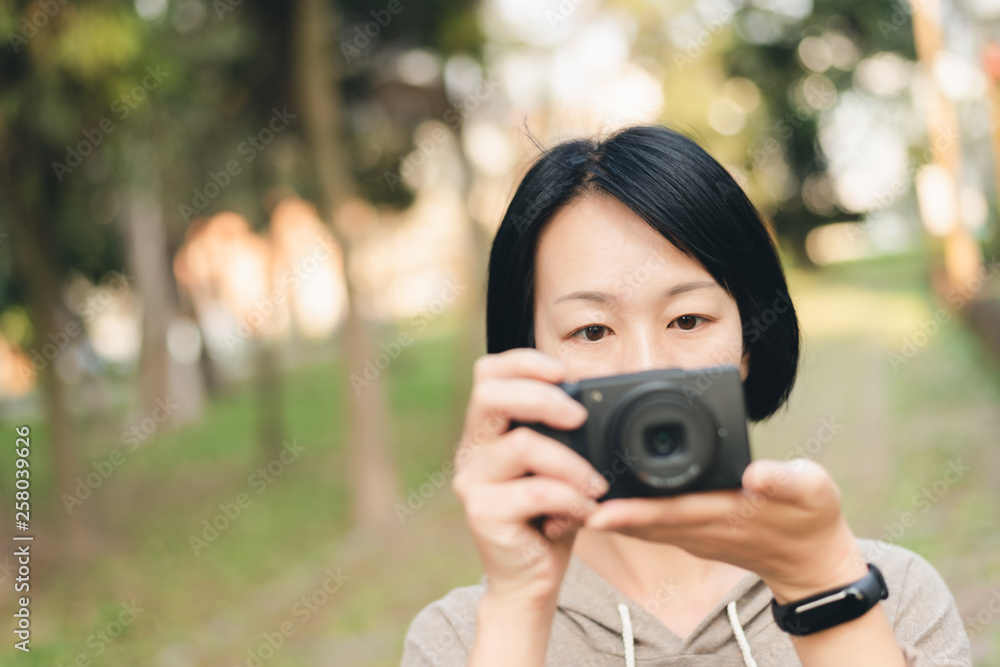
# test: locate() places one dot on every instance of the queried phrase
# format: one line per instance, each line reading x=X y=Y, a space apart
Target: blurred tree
x=58 y=79
x=318 y=71
x=118 y=129
x=774 y=65
x=370 y=468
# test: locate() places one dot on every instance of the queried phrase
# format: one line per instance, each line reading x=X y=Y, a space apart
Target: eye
x=687 y=322
x=592 y=333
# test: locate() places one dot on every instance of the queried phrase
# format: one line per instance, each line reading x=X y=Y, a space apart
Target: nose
x=644 y=350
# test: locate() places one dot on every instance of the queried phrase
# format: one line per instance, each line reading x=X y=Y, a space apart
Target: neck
x=653 y=574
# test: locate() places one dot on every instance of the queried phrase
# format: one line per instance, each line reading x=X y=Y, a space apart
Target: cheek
x=580 y=367
x=727 y=344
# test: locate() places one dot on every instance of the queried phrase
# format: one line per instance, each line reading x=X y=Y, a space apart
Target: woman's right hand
x=493 y=482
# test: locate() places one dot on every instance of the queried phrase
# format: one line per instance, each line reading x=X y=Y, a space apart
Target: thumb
x=794 y=481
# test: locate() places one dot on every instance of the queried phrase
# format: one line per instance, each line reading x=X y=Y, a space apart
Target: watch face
x=826 y=612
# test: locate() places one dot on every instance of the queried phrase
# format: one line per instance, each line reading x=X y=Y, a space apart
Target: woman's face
x=613 y=296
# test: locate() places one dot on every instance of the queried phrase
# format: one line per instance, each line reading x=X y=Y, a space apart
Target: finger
x=799 y=481
x=521 y=499
x=495 y=402
x=681 y=511
x=559 y=526
x=486 y=421
x=520 y=362
x=523 y=451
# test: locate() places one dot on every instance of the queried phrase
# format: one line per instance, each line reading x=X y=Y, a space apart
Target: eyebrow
x=690 y=286
x=602 y=297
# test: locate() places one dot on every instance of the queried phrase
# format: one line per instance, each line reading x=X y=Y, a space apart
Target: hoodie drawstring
x=628 y=640
x=741 y=638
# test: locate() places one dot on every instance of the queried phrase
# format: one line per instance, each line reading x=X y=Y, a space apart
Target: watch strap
x=833 y=607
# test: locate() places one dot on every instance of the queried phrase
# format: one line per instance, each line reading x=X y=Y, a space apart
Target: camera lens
x=664 y=439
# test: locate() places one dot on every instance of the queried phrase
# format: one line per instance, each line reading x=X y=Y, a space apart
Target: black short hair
x=685 y=195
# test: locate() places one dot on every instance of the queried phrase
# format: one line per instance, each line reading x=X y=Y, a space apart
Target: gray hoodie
x=595 y=625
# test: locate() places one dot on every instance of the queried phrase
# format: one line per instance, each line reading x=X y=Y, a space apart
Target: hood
x=615 y=624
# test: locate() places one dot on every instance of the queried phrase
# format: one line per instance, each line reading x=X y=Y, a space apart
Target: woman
x=634 y=253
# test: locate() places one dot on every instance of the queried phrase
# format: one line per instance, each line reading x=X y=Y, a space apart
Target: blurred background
x=242 y=261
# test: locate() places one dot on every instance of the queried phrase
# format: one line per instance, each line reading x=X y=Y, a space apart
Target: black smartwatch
x=833 y=607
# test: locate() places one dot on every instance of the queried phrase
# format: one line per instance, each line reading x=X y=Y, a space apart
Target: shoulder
x=920 y=607
x=907 y=574
x=443 y=631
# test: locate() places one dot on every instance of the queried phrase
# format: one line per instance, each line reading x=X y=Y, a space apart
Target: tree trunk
x=962 y=258
x=36 y=269
x=473 y=343
x=371 y=472
x=161 y=378
x=269 y=421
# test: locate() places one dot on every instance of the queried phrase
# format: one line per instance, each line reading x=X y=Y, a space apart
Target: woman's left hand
x=785 y=524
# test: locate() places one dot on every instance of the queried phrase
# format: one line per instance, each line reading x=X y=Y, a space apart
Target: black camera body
x=661 y=432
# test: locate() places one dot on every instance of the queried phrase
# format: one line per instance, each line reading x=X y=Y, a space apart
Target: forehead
x=596 y=241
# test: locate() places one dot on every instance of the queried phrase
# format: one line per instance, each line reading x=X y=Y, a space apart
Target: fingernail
x=595 y=520
x=597 y=486
x=552 y=531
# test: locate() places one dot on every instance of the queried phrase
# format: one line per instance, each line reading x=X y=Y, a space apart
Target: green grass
x=138 y=523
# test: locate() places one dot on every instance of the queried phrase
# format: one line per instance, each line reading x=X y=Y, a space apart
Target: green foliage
x=224 y=69
x=775 y=69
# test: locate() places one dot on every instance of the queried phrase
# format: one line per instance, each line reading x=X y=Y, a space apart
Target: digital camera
x=661 y=432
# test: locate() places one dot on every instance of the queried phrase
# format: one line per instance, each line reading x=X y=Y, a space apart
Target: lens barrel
x=666 y=434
